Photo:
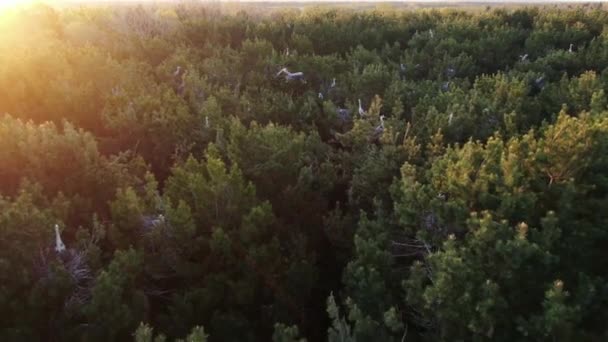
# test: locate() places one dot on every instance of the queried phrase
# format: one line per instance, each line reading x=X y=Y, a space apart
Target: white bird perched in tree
x=523 y=57
x=291 y=75
x=380 y=128
x=343 y=114
x=450 y=118
x=207 y=121
x=320 y=96
x=333 y=83
x=177 y=72
x=445 y=86
x=150 y=222
x=402 y=71
x=74 y=264
x=539 y=83
x=431 y=33
x=59 y=245
x=381 y=122
x=570 y=49
x=361 y=111
x=179 y=80
x=450 y=72
x=116 y=91
x=287 y=51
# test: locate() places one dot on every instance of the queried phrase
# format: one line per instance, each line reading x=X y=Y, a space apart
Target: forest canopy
x=191 y=172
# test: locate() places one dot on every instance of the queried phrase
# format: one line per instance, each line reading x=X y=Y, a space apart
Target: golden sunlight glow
x=7 y=4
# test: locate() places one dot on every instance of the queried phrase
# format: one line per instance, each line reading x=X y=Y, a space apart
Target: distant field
x=361 y=5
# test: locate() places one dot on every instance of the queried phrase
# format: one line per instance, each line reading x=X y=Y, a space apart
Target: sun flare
x=7 y=4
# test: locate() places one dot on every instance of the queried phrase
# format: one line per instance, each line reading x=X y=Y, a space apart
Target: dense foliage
x=432 y=175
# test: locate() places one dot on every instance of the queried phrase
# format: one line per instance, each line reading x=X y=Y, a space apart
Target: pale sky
x=178 y=1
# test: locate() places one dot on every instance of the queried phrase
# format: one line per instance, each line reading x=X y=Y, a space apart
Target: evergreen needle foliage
x=427 y=175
